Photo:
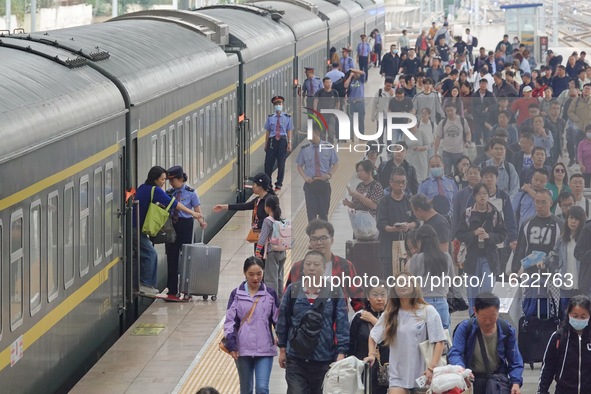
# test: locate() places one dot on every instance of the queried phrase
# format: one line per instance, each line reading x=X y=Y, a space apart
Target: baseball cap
x=262 y=180
x=527 y=89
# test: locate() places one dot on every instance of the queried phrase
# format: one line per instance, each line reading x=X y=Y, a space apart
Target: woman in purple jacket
x=252 y=313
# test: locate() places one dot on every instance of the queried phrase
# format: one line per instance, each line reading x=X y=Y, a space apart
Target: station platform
x=173 y=347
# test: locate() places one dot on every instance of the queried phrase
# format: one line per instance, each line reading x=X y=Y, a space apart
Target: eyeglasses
x=320 y=239
x=559 y=170
x=542 y=202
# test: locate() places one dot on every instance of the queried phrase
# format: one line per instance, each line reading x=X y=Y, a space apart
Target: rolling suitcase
x=534 y=334
x=364 y=256
x=200 y=269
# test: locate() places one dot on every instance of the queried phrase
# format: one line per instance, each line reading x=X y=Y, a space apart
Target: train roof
x=334 y=14
x=42 y=100
x=149 y=57
x=253 y=30
x=303 y=22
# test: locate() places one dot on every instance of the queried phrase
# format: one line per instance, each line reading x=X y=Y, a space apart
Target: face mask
x=279 y=108
x=588 y=135
x=436 y=172
x=395 y=51
x=578 y=324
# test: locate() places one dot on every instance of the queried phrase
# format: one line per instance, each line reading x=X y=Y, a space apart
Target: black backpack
x=474 y=42
x=339 y=86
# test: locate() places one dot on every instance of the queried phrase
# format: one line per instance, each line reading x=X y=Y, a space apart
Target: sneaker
x=148 y=290
x=277 y=188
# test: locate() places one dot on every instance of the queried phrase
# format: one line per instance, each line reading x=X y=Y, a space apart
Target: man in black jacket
x=398 y=161
x=483 y=101
x=390 y=63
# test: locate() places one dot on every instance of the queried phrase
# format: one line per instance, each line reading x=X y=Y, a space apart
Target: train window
x=68 y=235
x=227 y=129
x=213 y=136
x=52 y=245
x=231 y=135
x=185 y=144
x=179 y=145
x=193 y=152
x=35 y=257
x=171 y=147
x=201 y=142
x=220 y=132
x=207 y=140
x=16 y=269
x=154 y=150
x=98 y=215
x=253 y=111
x=163 y=148
x=109 y=208
x=84 y=226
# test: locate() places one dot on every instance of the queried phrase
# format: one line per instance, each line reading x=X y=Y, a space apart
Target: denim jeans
x=148 y=259
x=482 y=270
x=440 y=304
x=260 y=367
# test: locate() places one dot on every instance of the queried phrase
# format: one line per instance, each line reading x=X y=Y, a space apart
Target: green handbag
x=156 y=216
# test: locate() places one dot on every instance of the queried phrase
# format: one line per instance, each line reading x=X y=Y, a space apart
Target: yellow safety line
x=216 y=368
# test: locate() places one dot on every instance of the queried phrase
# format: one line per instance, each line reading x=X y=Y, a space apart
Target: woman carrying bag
x=361 y=325
x=151 y=192
x=274 y=260
x=407 y=321
x=252 y=314
x=262 y=188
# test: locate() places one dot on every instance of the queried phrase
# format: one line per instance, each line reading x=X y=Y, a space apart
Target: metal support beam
x=33 y=15
x=8 y=12
x=555 y=23
x=114 y=8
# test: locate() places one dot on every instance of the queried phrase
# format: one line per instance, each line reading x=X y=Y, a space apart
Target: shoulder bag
x=496 y=383
x=156 y=216
x=224 y=342
x=253 y=234
x=427 y=348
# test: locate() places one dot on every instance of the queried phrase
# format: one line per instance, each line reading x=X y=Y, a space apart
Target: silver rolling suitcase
x=200 y=269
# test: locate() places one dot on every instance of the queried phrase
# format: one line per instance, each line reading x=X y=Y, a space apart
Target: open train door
x=243 y=141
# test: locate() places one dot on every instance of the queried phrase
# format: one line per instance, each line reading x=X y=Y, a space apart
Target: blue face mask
x=395 y=51
x=436 y=172
x=279 y=108
x=578 y=324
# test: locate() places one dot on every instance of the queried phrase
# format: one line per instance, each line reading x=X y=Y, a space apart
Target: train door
x=124 y=226
x=243 y=136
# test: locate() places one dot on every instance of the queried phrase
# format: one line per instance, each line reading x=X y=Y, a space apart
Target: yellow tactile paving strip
x=215 y=368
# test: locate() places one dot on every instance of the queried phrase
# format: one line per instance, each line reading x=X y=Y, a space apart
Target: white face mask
x=279 y=108
x=588 y=135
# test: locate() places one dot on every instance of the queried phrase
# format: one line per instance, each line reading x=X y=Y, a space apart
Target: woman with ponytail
x=274 y=260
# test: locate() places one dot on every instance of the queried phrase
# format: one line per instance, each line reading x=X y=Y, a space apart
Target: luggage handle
x=193 y=232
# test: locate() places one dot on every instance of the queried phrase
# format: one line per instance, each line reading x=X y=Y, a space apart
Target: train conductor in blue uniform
x=279 y=127
x=317 y=161
x=182 y=223
x=312 y=84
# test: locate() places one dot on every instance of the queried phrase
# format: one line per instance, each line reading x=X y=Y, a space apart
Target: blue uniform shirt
x=286 y=124
x=309 y=83
x=188 y=198
x=430 y=188
x=363 y=49
x=335 y=75
x=307 y=158
x=346 y=64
